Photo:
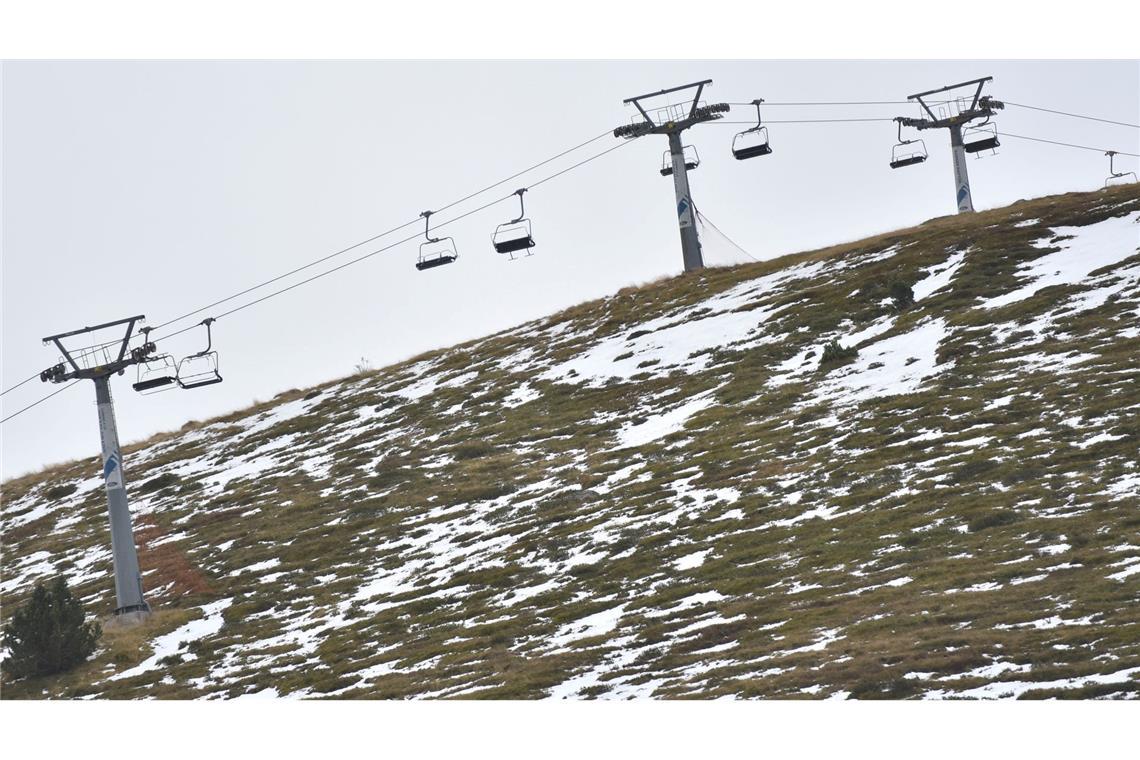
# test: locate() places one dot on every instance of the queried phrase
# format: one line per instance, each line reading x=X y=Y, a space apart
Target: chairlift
x=514 y=235
x=692 y=160
x=752 y=142
x=154 y=372
x=907 y=152
x=1115 y=175
x=982 y=137
x=434 y=252
x=200 y=369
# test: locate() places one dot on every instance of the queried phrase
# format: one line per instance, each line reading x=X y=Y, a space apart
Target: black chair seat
x=211 y=380
x=156 y=382
x=668 y=170
x=516 y=244
x=908 y=161
x=752 y=152
x=438 y=261
x=980 y=145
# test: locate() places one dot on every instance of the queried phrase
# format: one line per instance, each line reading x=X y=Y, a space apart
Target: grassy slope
x=522 y=498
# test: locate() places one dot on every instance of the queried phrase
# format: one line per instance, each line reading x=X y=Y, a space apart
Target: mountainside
x=776 y=480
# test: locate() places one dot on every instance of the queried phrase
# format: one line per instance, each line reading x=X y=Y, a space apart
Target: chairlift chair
x=514 y=235
x=1115 y=175
x=154 y=372
x=907 y=152
x=435 y=252
x=692 y=160
x=982 y=137
x=752 y=142
x=200 y=369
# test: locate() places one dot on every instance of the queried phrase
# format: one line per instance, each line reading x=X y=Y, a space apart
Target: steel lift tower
x=956 y=116
x=98 y=363
x=672 y=121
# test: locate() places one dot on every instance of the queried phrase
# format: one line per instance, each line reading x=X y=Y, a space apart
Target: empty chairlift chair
x=435 y=252
x=200 y=369
x=514 y=235
x=907 y=152
x=752 y=142
x=692 y=160
x=155 y=372
x=982 y=137
x=1114 y=177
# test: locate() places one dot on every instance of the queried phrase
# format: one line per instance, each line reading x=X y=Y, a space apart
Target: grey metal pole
x=961 y=177
x=690 y=243
x=128 y=580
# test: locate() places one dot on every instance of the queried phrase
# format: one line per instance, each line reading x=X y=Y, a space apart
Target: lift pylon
x=671 y=121
x=956 y=115
x=98 y=363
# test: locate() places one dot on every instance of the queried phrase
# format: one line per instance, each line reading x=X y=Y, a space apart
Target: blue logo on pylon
x=962 y=192
x=111 y=464
x=682 y=206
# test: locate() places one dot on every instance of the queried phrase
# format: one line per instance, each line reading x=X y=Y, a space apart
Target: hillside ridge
x=904 y=466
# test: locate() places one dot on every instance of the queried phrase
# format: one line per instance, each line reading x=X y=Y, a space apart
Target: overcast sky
x=155 y=188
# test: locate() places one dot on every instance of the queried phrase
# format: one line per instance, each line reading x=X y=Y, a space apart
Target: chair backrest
x=199 y=370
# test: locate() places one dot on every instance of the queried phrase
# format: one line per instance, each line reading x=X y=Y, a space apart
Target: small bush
x=902 y=295
x=48 y=634
x=833 y=352
x=159 y=483
x=992 y=520
x=55 y=493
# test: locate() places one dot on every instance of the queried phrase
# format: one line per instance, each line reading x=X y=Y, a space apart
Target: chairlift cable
x=799 y=121
x=383 y=234
x=404 y=240
x=342 y=251
x=347 y=264
x=37 y=403
x=1074 y=115
x=1068 y=145
x=839 y=103
x=17 y=385
x=703 y=219
x=580 y=163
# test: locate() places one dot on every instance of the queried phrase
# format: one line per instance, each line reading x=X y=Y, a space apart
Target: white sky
x=157 y=187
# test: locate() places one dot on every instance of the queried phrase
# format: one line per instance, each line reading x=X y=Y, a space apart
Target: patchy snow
x=591 y=625
x=1091 y=247
x=682 y=340
x=1014 y=689
x=696 y=600
x=938 y=276
x=257 y=567
x=690 y=561
x=891 y=366
x=1131 y=570
x=1101 y=437
x=1054 y=621
x=173 y=643
x=521 y=395
x=661 y=425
